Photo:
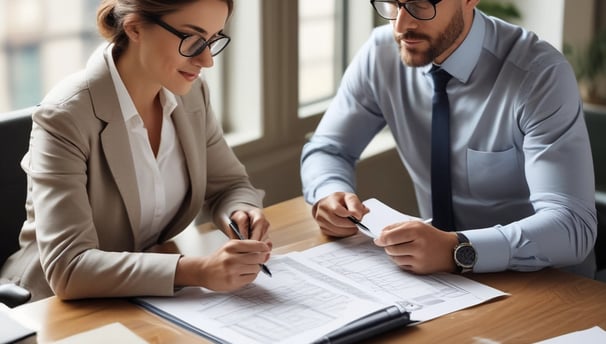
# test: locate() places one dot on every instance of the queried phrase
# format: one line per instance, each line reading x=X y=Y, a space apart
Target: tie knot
x=440 y=79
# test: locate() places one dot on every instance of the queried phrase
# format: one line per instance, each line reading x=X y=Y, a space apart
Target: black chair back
x=15 y=128
x=596 y=126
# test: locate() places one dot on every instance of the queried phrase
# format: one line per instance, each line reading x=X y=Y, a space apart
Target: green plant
x=589 y=65
x=505 y=11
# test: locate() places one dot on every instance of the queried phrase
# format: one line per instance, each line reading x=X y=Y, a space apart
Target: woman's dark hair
x=111 y=14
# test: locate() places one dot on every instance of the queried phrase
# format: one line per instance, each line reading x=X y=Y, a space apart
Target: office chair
x=596 y=127
x=15 y=130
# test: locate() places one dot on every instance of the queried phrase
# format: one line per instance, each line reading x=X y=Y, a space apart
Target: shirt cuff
x=329 y=189
x=492 y=249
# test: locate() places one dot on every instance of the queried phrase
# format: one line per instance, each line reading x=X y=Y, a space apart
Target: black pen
x=361 y=226
x=234 y=227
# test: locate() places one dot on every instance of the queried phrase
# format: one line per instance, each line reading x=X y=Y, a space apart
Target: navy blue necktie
x=441 y=193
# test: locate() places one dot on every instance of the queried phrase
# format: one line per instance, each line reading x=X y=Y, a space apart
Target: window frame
x=282 y=128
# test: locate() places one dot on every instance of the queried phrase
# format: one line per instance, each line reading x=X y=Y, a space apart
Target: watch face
x=465 y=255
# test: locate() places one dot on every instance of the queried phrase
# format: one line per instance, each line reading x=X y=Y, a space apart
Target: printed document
x=305 y=300
x=319 y=290
x=296 y=305
x=357 y=260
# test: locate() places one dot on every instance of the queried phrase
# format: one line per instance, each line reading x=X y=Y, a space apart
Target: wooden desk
x=542 y=304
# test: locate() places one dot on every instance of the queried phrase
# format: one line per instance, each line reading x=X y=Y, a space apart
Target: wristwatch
x=464 y=254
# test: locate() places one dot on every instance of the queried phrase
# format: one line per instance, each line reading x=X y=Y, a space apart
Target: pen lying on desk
x=235 y=229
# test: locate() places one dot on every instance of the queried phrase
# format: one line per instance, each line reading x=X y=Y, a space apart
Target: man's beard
x=417 y=58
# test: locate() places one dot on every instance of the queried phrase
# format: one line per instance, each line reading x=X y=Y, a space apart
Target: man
x=519 y=194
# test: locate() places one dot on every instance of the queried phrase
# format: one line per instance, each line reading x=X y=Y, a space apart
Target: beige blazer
x=83 y=202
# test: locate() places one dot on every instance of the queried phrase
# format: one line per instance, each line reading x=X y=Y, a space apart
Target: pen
x=234 y=227
x=362 y=227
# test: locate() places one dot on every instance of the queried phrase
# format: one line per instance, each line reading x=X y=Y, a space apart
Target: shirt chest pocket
x=495 y=176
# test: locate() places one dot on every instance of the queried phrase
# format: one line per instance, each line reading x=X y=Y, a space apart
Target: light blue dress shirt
x=522 y=172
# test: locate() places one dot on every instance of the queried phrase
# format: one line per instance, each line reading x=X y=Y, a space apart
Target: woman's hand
x=231 y=267
x=252 y=225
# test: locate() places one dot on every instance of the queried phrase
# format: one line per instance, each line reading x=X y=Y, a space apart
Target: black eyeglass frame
x=406 y=4
x=183 y=36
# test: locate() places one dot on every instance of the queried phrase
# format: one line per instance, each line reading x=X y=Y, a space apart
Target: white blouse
x=162 y=180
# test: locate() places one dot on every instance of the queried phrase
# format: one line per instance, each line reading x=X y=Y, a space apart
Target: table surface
x=542 y=304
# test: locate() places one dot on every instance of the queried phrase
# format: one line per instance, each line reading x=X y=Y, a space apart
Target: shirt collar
x=167 y=98
x=461 y=63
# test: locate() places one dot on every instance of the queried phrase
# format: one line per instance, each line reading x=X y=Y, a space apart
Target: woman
x=124 y=154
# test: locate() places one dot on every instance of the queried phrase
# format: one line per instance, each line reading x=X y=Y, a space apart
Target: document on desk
x=297 y=305
x=318 y=291
x=357 y=260
x=426 y=297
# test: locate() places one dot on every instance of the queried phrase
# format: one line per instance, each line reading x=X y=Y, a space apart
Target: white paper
x=594 y=335
x=426 y=297
x=110 y=333
x=380 y=216
x=11 y=329
x=296 y=305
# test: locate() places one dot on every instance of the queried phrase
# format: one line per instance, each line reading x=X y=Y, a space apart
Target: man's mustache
x=412 y=36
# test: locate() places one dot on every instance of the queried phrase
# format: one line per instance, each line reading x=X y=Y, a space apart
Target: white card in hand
x=382 y=215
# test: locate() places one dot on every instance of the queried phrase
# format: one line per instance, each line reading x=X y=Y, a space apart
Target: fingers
x=332 y=211
x=237 y=263
x=248 y=250
x=258 y=224
x=252 y=224
x=399 y=233
x=418 y=247
x=355 y=207
x=234 y=265
x=242 y=222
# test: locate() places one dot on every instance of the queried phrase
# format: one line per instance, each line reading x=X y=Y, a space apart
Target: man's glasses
x=419 y=9
x=194 y=45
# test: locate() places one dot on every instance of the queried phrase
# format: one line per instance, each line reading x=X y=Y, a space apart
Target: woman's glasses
x=193 y=45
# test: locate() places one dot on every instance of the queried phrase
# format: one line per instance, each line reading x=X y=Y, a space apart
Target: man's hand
x=331 y=213
x=418 y=247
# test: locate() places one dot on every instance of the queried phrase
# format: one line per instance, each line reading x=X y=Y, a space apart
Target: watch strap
x=462 y=238
x=463 y=242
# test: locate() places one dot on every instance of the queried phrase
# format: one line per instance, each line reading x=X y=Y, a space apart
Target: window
x=330 y=32
x=42 y=43
x=23 y=75
x=321 y=45
x=278 y=80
